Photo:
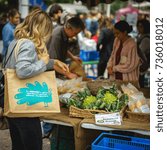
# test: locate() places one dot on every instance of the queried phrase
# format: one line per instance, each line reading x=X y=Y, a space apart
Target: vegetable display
x=109 y=99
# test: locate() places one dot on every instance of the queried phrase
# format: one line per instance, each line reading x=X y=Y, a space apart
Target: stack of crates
x=90 y=60
x=89 y=55
x=108 y=141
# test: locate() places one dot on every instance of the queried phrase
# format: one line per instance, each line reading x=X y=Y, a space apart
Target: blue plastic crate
x=108 y=141
x=86 y=55
x=92 y=77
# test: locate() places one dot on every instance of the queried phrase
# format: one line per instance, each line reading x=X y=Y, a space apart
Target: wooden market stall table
x=83 y=128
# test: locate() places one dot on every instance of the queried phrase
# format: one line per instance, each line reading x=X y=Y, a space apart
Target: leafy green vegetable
x=109 y=99
x=89 y=102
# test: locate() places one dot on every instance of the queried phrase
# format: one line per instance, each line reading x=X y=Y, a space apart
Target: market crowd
x=53 y=41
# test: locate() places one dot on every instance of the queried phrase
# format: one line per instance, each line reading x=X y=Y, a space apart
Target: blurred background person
x=124 y=61
x=143 y=47
x=3 y=20
x=8 y=29
x=105 y=44
x=55 y=12
x=91 y=22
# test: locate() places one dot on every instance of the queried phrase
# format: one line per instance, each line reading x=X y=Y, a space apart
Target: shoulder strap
x=6 y=60
x=16 y=49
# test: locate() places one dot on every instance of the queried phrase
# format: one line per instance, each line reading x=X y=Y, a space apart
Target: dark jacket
x=106 y=39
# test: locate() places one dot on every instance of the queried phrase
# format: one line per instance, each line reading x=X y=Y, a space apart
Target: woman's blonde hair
x=37 y=27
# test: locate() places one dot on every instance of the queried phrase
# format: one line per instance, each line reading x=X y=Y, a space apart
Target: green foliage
x=78 y=99
x=117 y=4
x=83 y=94
x=102 y=91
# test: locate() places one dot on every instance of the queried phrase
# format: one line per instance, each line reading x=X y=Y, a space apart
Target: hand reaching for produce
x=60 y=65
x=64 y=70
x=77 y=59
x=74 y=58
x=70 y=75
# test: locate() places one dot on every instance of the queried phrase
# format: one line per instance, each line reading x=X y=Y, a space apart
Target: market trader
x=124 y=61
x=58 y=47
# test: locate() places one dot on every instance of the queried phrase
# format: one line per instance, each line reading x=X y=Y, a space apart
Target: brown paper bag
x=77 y=69
x=33 y=97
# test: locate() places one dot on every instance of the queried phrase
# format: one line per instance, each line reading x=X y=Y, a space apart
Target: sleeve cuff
x=50 y=65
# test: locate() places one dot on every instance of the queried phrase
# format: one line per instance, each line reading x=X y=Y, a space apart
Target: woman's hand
x=74 y=58
x=68 y=75
x=110 y=71
x=61 y=65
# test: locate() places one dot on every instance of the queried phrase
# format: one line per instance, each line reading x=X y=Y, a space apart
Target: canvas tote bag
x=32 y=97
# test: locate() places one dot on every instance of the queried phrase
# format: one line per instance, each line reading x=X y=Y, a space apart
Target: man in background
x=59 y=44
x=8 y=29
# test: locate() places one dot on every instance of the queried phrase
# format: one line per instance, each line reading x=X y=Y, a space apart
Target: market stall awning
x=96 y=2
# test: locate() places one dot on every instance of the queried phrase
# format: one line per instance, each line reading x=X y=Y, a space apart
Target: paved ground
x=5 y=142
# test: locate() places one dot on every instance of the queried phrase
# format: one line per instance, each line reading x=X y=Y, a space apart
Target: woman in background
x=124 y=61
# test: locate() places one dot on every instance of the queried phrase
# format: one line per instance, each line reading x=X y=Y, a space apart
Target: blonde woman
x=32 y=59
